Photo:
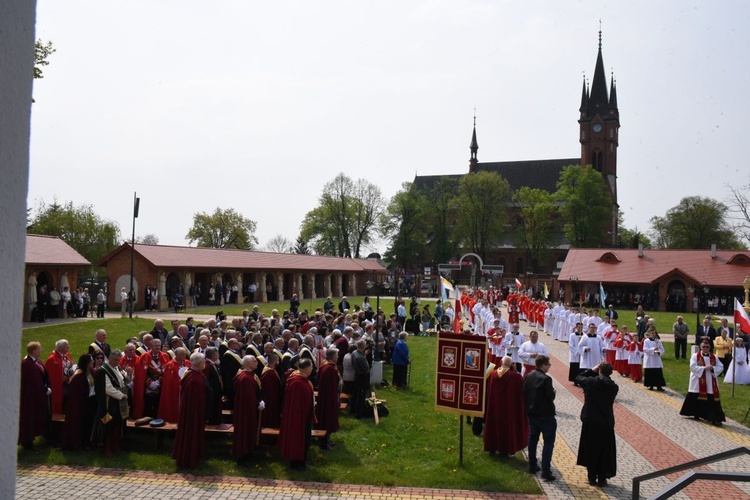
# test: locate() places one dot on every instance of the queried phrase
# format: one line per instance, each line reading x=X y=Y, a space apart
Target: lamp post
x=131 y=294
x=700 y=291
x=574 y=281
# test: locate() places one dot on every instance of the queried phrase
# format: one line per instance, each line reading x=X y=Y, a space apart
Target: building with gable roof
x=673 y=277
x=173 y=269
x=52 y=263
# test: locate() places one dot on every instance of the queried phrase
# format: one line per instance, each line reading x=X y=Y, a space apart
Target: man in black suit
x=706 y=331
x=159 y=332
x=100 y=344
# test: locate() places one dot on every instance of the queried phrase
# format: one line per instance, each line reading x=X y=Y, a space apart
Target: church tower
x=599 y=131
x=474 y=147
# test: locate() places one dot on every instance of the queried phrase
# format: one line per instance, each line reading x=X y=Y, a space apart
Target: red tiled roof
x=51 y=251
x=588 y=266
x=198 y=257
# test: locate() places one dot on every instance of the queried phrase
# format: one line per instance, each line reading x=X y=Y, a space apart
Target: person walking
x=539 y=396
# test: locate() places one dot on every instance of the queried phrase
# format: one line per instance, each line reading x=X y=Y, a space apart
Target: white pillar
x=280 y=286
x=17 y=41
x=313 y=295
x=262 y=288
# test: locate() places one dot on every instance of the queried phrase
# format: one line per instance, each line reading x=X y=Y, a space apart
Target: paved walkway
x=651 y=435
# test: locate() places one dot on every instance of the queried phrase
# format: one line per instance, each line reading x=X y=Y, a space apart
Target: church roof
x=539 y=174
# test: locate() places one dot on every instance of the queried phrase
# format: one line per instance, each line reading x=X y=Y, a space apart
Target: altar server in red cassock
x=189 y=443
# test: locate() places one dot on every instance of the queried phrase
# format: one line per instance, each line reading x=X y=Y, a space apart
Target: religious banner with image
x=461 y=363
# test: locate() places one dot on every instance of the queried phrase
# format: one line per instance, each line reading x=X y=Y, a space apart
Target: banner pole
x=461 y=440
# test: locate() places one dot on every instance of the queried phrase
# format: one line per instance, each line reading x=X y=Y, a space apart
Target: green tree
x=80 y=227
x=343 y=221
x=481 y=210
x=695 y=223
x=586 y=206
x=41 y=52
x=223 y=229
x=403 y=225
x=301 y=247
x=630 y=238
x=537 y=218
x=441 y=214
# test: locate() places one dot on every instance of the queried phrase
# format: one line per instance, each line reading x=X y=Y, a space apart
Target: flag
x=546 y=291
x=457 y=315
x=445 y=287
x=602 y=295
x=519 y=285
x=741 y=320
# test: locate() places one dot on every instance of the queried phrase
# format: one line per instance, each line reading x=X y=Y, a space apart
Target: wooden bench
x=220 y=429
x=272 y=431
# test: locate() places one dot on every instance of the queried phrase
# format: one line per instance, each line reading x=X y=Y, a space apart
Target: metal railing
x=685 y=480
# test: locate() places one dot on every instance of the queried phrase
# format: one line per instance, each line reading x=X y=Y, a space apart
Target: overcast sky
x=256 y=105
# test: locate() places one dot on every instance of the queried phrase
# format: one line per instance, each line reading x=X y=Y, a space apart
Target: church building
x=599 y=124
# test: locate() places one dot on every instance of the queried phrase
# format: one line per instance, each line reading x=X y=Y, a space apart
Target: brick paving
x=650 y=433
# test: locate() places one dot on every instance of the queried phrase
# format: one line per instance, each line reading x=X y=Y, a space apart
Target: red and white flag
x=741 y=320
x=519 y=285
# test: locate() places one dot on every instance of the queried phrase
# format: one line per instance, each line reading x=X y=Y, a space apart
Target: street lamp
x=574 y=281
x=700 y=291
x=131 y=294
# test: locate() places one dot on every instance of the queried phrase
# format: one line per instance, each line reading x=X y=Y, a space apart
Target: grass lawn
x=413 y=446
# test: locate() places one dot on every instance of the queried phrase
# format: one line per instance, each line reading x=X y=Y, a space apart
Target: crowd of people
x=284 y=372
x=287 y=371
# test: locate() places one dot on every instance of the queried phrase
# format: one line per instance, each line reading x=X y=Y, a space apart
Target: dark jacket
x=359 y=363
x=600 y=393
x=539 y=394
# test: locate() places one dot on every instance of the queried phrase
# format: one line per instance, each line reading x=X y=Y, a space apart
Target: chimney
x=640 y=250
x=713 y=250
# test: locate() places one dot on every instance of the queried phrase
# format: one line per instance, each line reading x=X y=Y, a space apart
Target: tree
x=279 y=244
x=738 y=202
x=403 y=224
x=630 y=238
x=300 y=246
x=586 y=206
x=223 y=229
x=147 y=239
x=694 y=223
x=41 y=52
x=537 y=218
x=80 y=227
x=342 y=223
x=441 y=214
x=482 y=208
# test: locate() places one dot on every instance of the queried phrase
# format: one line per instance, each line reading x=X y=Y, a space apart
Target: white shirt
x=512 y=345
x=528 y=349
x=110 y=389
x=590 y=349
x=652 y=358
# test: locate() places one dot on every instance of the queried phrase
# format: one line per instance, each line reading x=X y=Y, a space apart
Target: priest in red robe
x=506 y=429
x=270 y=383
x=34 y=416
x=296 y=419
x=189 y=443
x=327 y=409
x=169 y=401
x=247 y=402
x=59 y=367
x=149 y=369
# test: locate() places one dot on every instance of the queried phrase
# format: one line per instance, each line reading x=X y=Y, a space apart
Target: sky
x=255 y=105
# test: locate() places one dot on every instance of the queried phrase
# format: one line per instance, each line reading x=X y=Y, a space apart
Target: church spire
x=598 y=98
x=474 y=146
x=613 y=93
x=584 y=97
